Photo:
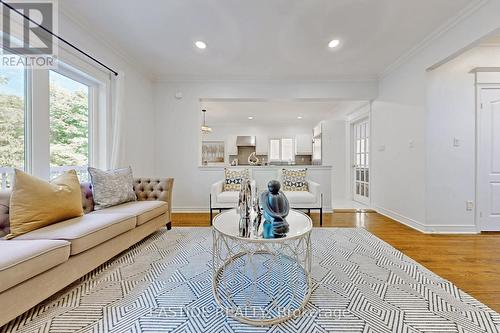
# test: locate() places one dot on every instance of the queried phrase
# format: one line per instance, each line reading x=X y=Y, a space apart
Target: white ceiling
x=274 y=112
x=263 y=38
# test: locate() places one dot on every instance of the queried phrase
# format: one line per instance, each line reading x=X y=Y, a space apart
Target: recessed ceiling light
x=201 y=45
x=334 y=43
x=300 y=117
x=250 y=118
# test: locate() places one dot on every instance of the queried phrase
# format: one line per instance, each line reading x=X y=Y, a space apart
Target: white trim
x=480 y=87
x=414 y=224
x=165 y=78
x=451 y=229
x=473 y=7
x=28 y=120
x=359 y=113
x=361 y=119
x=426 y=229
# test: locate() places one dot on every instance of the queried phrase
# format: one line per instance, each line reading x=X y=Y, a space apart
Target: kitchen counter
x=222 y=167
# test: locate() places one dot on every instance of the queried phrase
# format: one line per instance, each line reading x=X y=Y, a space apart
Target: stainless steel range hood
x=245 y=141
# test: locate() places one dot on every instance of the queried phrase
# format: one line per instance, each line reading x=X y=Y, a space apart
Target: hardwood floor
x=469 y=261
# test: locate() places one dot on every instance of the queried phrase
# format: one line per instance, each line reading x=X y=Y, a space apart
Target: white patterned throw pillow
x=234 y=178
x=294 y=180
x=112 y=187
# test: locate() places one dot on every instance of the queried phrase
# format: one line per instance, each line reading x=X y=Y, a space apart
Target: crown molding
x=116 y=50
x=257 y=79
x=447 y=26
x=359 y=112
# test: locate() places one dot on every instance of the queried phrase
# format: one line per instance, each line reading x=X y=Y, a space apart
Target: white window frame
x=282 y=159
x=93 y=100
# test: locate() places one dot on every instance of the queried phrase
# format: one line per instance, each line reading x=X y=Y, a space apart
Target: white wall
x=178 y=121
x=403 y=175
x=397 y=169
x=451 y=107
x=138 y=112
x=335 y=143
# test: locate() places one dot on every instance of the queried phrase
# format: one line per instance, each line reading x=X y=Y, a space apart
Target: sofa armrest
x=216 y=189
x=315 y=189
x=155 y=189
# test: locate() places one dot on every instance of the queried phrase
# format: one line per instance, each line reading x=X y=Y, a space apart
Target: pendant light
x=204 y=128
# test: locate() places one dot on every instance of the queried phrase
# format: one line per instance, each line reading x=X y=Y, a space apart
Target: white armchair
x=222 y=200
x=307 y=200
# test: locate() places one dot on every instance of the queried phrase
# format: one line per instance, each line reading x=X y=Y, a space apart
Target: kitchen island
x=320 y=174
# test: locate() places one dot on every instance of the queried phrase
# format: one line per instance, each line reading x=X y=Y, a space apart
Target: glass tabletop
x=227 y=223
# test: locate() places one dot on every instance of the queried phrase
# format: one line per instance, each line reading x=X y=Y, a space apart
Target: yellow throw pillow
x=35 y=203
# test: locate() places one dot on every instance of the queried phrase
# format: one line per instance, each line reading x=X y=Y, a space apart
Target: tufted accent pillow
x=294 y=180
x=112 y=187
x=234 y=178
x=4 y=212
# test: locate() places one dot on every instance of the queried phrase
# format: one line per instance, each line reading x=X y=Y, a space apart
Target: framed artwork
x=212 y=152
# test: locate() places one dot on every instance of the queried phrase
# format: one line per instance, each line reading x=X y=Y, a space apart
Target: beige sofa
x=36 y=265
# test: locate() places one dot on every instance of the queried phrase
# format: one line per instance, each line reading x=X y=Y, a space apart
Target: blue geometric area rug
x=164 y=284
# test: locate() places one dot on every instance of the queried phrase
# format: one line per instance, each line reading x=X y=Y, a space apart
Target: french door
x=488 y=165
x=361 y=161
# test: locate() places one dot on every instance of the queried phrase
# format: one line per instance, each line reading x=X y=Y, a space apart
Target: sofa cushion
x=300 y=197
x=143 y=210
x=228 y=197
x=23 y=259
x=86 y=231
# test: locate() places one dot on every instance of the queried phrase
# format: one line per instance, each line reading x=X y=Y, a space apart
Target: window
x=69 y=125
x=65 y=100
x=274 y=150
x=12 y=122
x=282 y=150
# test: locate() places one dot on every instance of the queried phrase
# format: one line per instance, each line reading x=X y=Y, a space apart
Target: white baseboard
x=451 y=229
x=401 y=219
x=427 y=229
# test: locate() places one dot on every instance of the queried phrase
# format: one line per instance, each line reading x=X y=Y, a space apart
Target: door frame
x=362 y=116
x=479 y=89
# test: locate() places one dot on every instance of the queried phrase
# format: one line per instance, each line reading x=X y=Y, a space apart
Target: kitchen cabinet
x=262 y=145
x=231 y=146
x=304 y=144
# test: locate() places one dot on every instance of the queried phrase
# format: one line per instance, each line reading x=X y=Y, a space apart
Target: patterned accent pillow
x=112 y=187
x=234 y=178
x=294 y=180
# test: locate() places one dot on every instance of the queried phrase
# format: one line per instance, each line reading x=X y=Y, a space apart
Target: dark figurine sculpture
x=275 y=208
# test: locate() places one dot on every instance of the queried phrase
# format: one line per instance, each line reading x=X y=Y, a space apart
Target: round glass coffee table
x=261 y=281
